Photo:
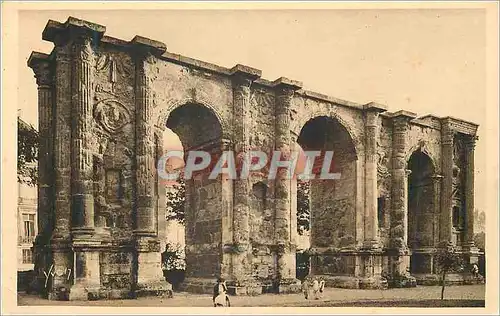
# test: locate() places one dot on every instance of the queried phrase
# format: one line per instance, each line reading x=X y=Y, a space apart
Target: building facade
x=406 y=186
x=26 y=226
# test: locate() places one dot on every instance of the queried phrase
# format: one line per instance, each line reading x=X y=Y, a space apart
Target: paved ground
x=465 y=295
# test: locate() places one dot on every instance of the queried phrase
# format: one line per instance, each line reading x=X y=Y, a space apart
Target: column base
x=81 y=292
x=198 y=285
x=402 y=281
x=287 y=286
x=471 y=253
x=373 y=283
x=245 y=288
x=160 y=288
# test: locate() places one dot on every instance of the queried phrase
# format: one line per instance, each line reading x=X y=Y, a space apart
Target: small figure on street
x=315 y=289
x=475 y=271
x=321 y=288
x=305 y=288
x=220 y=297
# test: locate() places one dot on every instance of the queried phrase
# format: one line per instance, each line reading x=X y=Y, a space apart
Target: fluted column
x=445 y=222
x=44 y=73
x=62 y=142
x=148 y=273
x=436 y=180
x=400 y=262
x=43 y=67
x=470 y=144
x=86 y=258
x=242 y=78
x=399 y=216
x=227 y=217
x=285 y=89
x=372 y=111
x=145 y=179
x=161 y=193
x=82 y=162
x=60 y=238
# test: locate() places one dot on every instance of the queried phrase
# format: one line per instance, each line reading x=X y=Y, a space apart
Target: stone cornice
x=375 y=107
x=55 y=30
x=146 y=44
x=285 y=83
x=246 y=71
x=37 y=57
x=402 y=114
x=460 y=126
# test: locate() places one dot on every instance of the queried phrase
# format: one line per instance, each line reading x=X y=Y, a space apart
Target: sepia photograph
x=320 y=156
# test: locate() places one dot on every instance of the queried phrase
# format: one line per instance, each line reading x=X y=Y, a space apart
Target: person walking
x=220 y=297
x=305 y=288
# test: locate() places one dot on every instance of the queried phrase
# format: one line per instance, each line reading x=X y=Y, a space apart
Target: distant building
x=26 y=226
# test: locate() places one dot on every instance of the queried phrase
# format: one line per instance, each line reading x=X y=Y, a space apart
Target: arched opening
x=420 y=211
x=332 y=201
x=194 y=127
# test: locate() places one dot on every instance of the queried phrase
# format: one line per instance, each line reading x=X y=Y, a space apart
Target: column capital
x=284 y=84
x=42 y=67
x=244 y=75
x=144 y=46
x=56 y=31
x=374 y=107
x=83 y=47
x=402 y=117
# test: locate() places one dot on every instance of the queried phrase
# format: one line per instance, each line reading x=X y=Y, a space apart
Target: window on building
x=29 y=225
x=27 y=256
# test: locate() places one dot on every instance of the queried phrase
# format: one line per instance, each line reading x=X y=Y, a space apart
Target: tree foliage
x=27 y=153
x=479 y=240
x=176 y=202
x=448 y=260
x=173 y=258
x=174 y=264
x=303 y=212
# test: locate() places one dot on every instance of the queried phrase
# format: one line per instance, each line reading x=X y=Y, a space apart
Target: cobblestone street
x=428 y=296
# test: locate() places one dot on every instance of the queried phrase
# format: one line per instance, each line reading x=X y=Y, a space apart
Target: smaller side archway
x=421 y=211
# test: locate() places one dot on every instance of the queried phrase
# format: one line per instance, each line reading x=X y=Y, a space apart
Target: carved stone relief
x=111 y=115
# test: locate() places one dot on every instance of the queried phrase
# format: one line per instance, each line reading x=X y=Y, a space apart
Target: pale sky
x=424 y=61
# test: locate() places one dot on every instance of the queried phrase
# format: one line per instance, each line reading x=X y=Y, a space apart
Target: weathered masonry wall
x=103 y=105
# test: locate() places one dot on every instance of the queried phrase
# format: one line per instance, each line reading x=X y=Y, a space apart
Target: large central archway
x=333 y=201
x=198 y=128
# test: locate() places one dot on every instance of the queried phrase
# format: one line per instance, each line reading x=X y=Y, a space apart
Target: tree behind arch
x=27 y=153
x=176 y=202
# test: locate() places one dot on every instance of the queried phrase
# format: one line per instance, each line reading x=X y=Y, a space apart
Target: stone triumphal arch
x=407 y=182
